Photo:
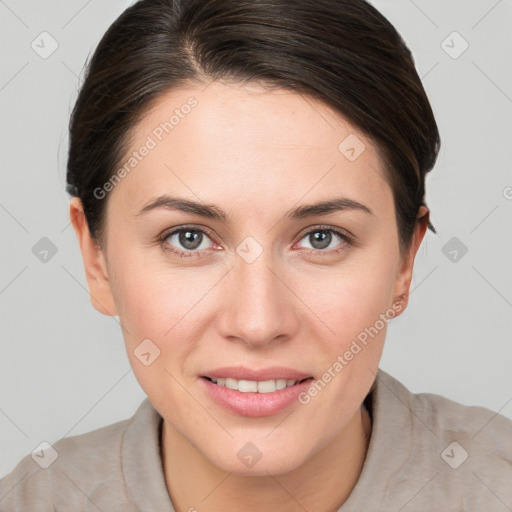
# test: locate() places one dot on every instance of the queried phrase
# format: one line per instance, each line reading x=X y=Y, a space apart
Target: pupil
x=190 y=239
x=321 y=239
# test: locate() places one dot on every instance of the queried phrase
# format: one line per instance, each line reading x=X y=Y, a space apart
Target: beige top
x=426 y=453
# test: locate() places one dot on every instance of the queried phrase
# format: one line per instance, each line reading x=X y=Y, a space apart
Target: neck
x=323 y=483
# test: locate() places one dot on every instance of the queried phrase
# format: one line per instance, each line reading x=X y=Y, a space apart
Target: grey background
x=63 y=365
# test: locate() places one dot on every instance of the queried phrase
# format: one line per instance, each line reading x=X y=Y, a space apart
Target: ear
x=100 y=292
x=404 y=274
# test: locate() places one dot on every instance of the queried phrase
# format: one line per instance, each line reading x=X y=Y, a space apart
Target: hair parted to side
x=341 y=52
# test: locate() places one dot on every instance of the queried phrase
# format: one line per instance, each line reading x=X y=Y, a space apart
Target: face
x=250 y=284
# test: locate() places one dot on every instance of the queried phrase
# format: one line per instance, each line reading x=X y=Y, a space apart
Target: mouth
x=256 y=386
x=255 y=398
x=246 y=390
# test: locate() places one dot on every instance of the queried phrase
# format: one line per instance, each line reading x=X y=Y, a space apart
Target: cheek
x=153 y=308
x=350 y=299
x=163 y=303
x=149 y=295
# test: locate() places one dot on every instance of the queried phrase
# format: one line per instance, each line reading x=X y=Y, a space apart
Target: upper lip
x=245 y=373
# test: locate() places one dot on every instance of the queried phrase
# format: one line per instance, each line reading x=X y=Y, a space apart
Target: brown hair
x=341 y=52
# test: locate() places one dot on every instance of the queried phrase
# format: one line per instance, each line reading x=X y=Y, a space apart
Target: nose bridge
x=259 y=308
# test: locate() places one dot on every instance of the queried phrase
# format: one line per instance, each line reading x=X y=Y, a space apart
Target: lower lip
x=255 y=404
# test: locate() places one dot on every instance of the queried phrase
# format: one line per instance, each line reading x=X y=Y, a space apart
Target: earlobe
x=404 y=274
x=100 y=292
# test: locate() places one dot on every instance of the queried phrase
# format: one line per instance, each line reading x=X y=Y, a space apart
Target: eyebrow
x=215 y=213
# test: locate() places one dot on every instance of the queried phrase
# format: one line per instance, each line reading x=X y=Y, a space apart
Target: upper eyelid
x=172 y=231
x=338 y=231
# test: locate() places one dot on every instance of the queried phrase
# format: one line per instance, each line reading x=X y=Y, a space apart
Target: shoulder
x=428 y=452
x=487 y=432
x=73 y=470
x=445 y=416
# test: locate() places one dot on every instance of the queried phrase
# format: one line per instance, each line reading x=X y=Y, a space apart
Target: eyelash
x=347 y=240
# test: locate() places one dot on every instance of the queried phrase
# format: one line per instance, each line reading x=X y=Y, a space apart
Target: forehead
x=247 y=145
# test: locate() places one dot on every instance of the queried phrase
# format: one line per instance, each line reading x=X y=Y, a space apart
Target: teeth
x=248 y=386
x=267 y=386
x=253 y=386
x=231 y=383
x=281 y=383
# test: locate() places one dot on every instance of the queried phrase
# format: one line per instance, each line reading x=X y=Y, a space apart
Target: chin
x=249 y=460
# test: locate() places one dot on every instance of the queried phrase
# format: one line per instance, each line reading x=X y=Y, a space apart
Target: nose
x=260 y=307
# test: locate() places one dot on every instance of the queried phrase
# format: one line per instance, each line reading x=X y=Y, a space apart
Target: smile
x=254 y=398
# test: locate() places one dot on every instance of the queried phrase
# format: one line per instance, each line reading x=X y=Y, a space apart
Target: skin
x=255 y=154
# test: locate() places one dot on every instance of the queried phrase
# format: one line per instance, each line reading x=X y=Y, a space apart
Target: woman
x=248 y=182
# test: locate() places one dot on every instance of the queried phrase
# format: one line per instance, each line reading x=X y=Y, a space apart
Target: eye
x=323 y=240
x=185 y=241
x=191 y=241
